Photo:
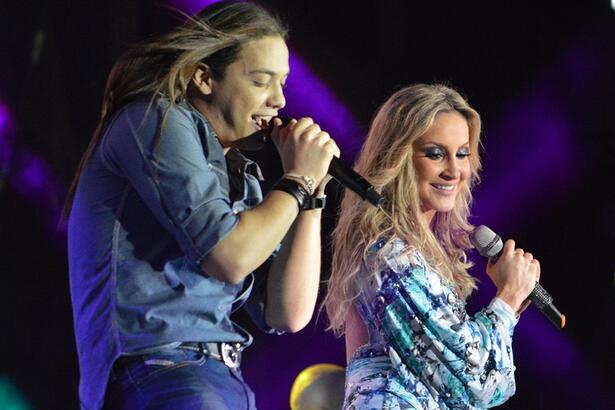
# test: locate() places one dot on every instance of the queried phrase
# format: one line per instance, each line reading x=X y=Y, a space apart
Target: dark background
x=540 y=73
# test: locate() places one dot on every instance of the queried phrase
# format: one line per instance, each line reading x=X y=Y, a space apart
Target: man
x=167 y=220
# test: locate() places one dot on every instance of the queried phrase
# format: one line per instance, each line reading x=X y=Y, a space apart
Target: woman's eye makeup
x=437 y=153
x=463 y=152
x=434 y=152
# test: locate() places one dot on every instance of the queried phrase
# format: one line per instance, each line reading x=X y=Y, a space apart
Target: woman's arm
x=355 y=332
x=468 y=360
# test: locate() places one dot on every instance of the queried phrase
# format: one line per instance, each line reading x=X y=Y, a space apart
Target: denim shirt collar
x=237 y=163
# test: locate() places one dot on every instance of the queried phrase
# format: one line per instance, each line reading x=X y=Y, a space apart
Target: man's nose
x=276 y=99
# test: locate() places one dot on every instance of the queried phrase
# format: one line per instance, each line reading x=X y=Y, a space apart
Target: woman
x=168 y=221
x=399 y=278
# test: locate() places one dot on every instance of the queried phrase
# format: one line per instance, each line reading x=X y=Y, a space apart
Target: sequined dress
x=424 y=350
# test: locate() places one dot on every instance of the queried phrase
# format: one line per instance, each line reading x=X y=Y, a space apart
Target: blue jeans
x=176 y=379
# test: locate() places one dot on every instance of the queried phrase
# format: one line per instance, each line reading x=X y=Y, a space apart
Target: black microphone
x=490 y=245
x=345 y=175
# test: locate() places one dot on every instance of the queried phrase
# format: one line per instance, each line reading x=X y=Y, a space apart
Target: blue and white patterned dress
x=424 y=351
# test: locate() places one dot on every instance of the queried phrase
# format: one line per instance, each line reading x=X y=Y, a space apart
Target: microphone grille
x=486 y=242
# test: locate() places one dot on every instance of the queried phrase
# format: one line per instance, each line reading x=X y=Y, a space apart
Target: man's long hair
x=165 y=65
x=386 y=161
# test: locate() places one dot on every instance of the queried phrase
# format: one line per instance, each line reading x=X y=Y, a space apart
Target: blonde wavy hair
x=164 y=65
x=386 y=161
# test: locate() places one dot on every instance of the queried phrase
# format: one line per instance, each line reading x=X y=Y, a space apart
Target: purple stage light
x=307 y=95
x=191 y=6
x=4 y=116
x=552 y=355
x=531 y=163
x=6 y=140
x=530 y=155
x=31 y=177
x=34 y=180
x=559 y=352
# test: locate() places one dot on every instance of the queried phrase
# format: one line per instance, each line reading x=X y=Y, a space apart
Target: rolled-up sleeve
x=176 y=173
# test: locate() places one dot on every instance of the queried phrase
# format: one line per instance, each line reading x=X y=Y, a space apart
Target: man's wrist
x=308 y=182
x=293 y=188
x=314 y=202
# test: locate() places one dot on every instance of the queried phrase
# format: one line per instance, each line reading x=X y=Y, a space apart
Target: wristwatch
x=314 y=202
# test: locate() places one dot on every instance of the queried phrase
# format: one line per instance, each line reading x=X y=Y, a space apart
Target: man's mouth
x=261 y=121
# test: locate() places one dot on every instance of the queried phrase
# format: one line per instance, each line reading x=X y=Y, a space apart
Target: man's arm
x=253 y=239
x=304 y=150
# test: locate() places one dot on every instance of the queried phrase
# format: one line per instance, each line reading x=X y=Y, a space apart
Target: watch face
x=315 y=203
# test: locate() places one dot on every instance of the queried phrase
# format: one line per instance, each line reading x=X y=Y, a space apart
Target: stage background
x=541 y=74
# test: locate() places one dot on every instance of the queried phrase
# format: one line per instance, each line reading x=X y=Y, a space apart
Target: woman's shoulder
x=395 y=254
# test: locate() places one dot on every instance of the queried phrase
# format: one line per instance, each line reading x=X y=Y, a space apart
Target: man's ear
x=202 y=79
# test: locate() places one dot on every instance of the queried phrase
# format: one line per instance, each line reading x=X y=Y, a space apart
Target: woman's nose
x=452 y=170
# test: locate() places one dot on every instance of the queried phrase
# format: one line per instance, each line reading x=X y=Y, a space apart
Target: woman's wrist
x=510 y=299
x=504 y=311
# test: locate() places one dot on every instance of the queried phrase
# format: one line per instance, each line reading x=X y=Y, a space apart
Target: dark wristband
x=293 y=188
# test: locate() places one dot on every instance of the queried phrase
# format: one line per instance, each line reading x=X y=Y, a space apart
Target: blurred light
x=3 y=117
x=613 y=4
x=10 y=397
x=191 y=6
x=5 y=128
x=308 y=96
x=6 y=142
x=320 y=386
x=31 y=177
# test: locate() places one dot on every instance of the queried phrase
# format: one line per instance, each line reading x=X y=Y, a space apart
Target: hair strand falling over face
x=165 y=65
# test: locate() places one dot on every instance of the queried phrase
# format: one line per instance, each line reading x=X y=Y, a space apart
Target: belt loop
x=203 y=349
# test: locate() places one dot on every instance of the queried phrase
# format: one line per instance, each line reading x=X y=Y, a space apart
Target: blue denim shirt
x=147 y=210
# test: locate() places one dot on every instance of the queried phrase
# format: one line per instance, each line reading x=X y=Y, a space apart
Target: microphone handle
x=347 y=177
x=541 y=299
x=344 y=175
